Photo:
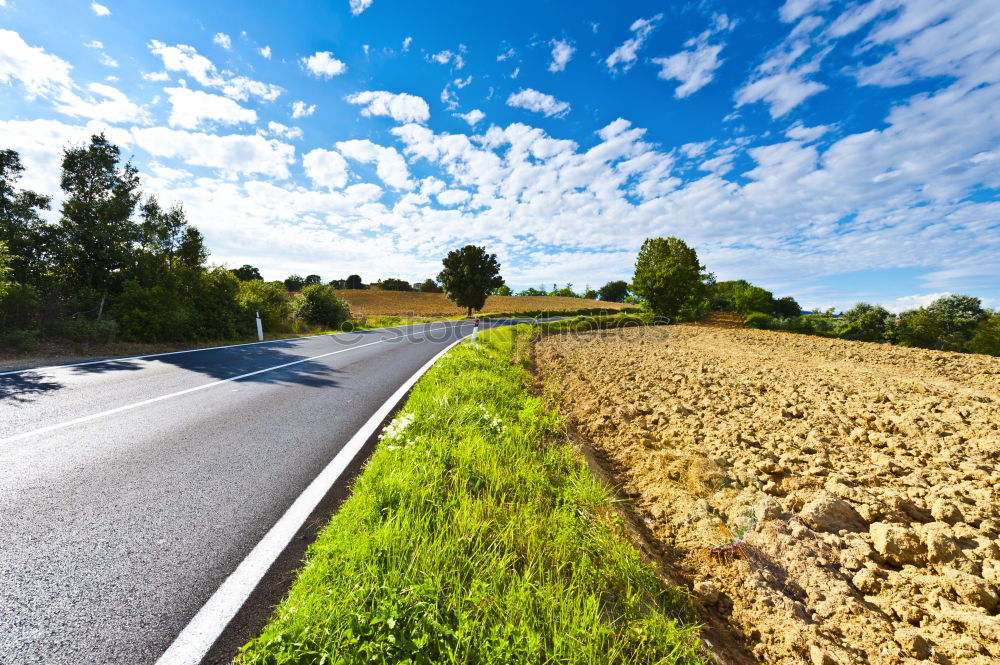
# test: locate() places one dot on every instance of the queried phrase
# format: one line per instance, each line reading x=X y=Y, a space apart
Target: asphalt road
x=130 y=489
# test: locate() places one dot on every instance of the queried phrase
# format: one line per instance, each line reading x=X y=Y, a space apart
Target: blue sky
x=833 y=151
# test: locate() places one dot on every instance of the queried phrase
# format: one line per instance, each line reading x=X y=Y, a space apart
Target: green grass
x=475 y=535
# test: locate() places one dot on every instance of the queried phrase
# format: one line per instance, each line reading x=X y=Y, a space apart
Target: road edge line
x=196 y=639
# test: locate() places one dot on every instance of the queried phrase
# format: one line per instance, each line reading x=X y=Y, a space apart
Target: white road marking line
x=135 y=405
x=207 y=348
x=194 y=642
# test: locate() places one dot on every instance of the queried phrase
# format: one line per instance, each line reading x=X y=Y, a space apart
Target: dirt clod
x=842 y=498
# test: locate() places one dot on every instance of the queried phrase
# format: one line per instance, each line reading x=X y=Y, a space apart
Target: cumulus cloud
x=100 y=9
x=389 y=164
x=454 y=58
x=452 y=197
x=326 y=168
x=302 y=110
x=472 y=117
x=223 y=40
x=323 y=65
x=358 y=6
x=562 y=52
x=265 y=52
x=695 y=67
x=191 y=108
x=400 y=107
x=284 y=131
x=234 y=154
x=625 y=56
x=186 y=59
x=539 y=102
x=406 y=44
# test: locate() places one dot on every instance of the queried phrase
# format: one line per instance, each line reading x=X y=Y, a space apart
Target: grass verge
x=475 y=535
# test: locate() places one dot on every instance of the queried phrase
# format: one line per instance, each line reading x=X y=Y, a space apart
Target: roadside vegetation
x=475 y=535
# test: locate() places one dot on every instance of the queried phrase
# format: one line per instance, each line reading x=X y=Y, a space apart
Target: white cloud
x=506 y=54
x=265 y=52
x=358 y=6
x=406 y=44
x=156 y=76
x=539 y=102
x=400 y=107
x=904 y=303
x=94 y=43
x=389 y=164
x=445 y=57
x=800 y=132
x=792 y=10
x=107 y=60
x=186 y=59
x=694 y=69
x=190 y=108
x=41 y=73
x=326 y=168
x=100 y=9
x=223 y=40
x=452 y=197
x=323 y=65
x=472 y=117
x=301 y=110
x=626 y=55
x=284 y=131
x=562 y=52
x=233 y=154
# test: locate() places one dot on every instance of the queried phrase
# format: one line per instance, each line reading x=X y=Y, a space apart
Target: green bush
x=986 y=338
x=758 y=320
x=80 y=329
x=155 y=314
x=218 y=314
x=268 y=298
x=19 y=307
x=319 y=305
x=21 y=340
x=866 y=323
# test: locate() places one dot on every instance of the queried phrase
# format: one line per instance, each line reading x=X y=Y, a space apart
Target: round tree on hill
x=469 y=276
x=669 y=277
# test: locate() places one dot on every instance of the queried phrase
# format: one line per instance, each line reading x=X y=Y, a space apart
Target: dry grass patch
x=401 y=303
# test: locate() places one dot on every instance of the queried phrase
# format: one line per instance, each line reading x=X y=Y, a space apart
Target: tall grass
x=474 y=535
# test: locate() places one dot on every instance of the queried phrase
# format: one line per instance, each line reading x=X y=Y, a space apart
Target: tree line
x=672 y=283
x=119 y=264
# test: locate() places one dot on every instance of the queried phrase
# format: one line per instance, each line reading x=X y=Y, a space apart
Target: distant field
x=399 y=303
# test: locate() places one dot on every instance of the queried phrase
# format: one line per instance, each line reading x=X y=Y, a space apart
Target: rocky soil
x=833 y=502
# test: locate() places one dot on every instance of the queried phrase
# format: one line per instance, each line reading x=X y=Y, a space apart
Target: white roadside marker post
x=475 y=329
x=260 y=329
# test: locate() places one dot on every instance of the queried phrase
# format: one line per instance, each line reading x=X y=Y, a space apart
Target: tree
x=865 y=322
x=469 y=275
x=748 y=298
x=96 y=232
x=613 y=291
x=294 y=283
x=429 y=286
x=531 y=291
x=354 y=282
x=393 y=284
x=589 y=293
x=502 y=291
x=916 y=327
x=565 y=292
x=986 y=338
x=957 y=315
x=27 y=236
x=669 y=278
x=246 y=272
x=312 y=279
x=320 y=306
x=787 y=307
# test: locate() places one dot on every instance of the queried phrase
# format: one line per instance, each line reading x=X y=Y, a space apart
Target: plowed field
x=401 y=303
x=831 y=502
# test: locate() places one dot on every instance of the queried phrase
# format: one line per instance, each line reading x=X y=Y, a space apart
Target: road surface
x=130 y=489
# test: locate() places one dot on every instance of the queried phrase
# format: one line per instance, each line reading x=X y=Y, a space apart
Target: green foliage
x=81 y=329
x=750 y=298
x=589 y=293
x=615 y=291
x=759 y=320
x=246 y=272
x=916 y=327
x=219 y=315
x=354 y=282
x=24 y=340
x=670 y=279
x=533 y=292
x=393 y=284
x=28 y=238
x=565 y=292
x=429 y=286
x=786 y=307
x=96 y=233
x=957 y=317
x=475 y=535
x=865 y=322
x=294 y=283
x=312 y=279
x=268 y=298
x=503 y=290
x=320 y=306
x=470 y=274
x=986 y=338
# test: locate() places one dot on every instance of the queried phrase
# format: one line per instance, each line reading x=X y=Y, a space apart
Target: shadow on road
x=25 y=388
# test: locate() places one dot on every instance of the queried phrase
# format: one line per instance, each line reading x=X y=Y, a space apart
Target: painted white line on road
x=200 y=634
x=135 y=405
x=209 y=348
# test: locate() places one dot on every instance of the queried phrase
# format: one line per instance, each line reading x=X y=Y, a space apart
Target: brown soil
x=833 y=502
x=372 y=302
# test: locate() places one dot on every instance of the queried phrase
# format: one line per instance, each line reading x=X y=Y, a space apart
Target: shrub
x=21 y=340
x=218 y=311
x=152 y=314
x=80 y=329
x=19 y=307
x=916 y=327
x=865 y=322
x=758 y=320
x=320 y=306
x=268 y=298
x=986 y=338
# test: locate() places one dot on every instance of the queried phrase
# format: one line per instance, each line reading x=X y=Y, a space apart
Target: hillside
x=400 y=303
